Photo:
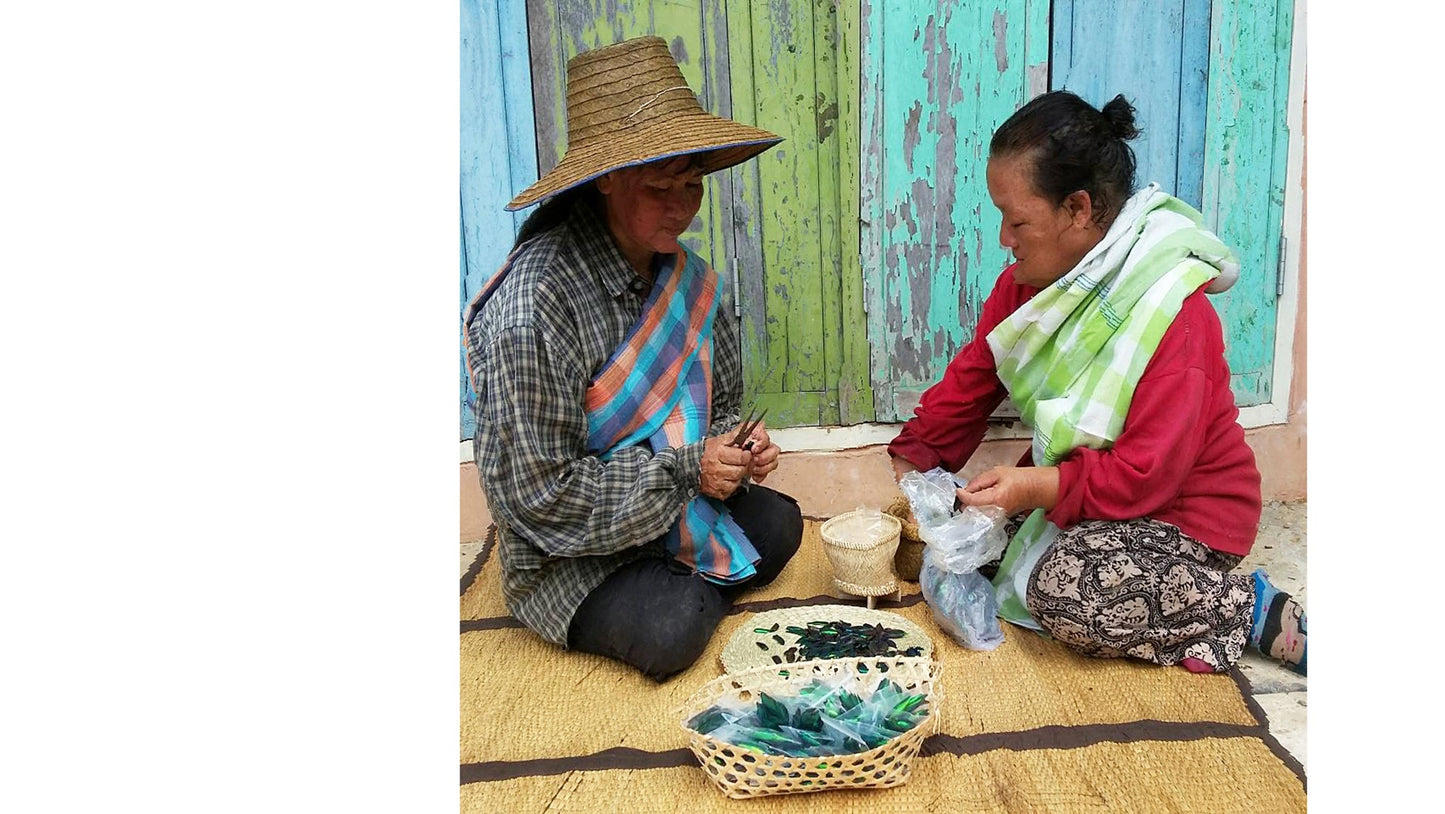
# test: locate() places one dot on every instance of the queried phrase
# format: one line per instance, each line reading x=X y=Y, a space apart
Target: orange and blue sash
x=657 y=389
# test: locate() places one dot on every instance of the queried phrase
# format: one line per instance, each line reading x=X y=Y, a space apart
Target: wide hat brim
x=722 y=142
x=628 y=104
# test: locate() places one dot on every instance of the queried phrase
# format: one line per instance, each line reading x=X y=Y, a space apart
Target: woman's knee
x=774 y=525
x=1056 y=598
x=650 y=617
x=665 y=644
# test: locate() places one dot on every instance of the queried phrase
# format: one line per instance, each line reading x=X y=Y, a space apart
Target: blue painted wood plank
x=1135 y=47
x=498 y=153
x=517 y=97
x=1193 y=95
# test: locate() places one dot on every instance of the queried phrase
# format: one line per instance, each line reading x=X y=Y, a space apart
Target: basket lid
x=755 y=642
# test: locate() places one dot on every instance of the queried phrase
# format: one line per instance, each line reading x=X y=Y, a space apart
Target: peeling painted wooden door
x=780 y=229
x=497 y=155
x=1210 y=83
x=937 y=79
x=1246 y=147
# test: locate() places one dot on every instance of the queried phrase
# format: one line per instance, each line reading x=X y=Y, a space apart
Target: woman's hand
x=1013 y=488
x=723 y=467
x=765 y=453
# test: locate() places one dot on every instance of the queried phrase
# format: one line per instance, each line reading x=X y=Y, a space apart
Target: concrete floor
x=1280 y=550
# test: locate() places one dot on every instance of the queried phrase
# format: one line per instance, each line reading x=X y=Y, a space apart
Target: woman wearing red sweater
x=1139 y=494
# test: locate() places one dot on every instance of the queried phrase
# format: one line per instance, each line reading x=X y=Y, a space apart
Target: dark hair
x=1074 y=147
x=556 y=209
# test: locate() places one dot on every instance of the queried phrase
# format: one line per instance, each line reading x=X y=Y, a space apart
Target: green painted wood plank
x=788 y=218
x=784 y=87
x=855 y=393
x=793 y=409
x=1246 y=148
x=747 y=225
x=716 y=96
x=825 y=104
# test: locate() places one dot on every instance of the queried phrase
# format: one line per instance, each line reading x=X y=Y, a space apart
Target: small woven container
x=862 y=560
x=742 y=773
x=908 y=560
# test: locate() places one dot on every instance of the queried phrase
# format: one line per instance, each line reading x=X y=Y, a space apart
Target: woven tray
x=743 y=653
x=742 y=773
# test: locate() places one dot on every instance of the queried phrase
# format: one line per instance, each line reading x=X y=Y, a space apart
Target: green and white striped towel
x=1072 y=356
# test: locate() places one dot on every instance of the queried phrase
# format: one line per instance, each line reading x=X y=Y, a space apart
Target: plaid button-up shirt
x=565 y=519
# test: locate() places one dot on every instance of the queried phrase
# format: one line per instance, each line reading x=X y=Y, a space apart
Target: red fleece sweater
x=1181 y=457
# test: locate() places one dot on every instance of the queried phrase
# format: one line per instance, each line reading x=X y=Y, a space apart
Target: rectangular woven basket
x=742 y=773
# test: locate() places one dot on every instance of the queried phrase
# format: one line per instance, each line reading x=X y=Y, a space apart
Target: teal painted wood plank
x=498 y=154
x=1246 y=149
x=938 y=78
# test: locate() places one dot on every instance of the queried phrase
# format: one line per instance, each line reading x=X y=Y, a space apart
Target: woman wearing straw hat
x=608 y=382
x=1140 y=493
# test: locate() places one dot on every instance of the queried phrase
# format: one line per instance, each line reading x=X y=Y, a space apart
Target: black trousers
x=658 y=616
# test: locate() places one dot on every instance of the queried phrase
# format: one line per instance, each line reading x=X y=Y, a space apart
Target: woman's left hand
x=765 y=454
x=1013 y=488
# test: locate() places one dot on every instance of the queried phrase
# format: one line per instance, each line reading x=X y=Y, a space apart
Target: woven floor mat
x=1027 y=727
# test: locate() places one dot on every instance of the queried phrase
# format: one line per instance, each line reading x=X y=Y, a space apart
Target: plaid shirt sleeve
x=544 y=484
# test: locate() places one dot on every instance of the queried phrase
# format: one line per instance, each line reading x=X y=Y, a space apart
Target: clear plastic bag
x=865 y=525
x=964 y=605
x=956 y=543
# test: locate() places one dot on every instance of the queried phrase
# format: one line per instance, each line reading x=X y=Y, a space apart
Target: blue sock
x=1279 y=625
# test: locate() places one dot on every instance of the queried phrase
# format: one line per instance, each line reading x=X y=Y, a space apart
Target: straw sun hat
x=628 y=104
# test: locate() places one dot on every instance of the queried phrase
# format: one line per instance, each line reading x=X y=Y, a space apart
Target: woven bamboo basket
x=908 y=560
x=742 y=773
x=862 y=564
x=748 y=649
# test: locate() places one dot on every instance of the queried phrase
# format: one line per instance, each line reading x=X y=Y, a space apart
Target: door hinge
x=1279 y=269
x=737 y=292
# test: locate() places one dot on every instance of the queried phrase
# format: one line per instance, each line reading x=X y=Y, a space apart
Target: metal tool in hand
x=748 y=425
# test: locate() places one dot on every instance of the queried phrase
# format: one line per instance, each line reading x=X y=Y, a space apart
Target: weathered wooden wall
x=857 y=253
x=938 y=78
x=1245 y=152
x=497 y=156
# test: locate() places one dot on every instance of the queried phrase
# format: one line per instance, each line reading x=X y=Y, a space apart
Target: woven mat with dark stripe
x=1026 y=727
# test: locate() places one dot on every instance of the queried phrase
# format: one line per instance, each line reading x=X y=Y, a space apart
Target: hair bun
x=1119 y=115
